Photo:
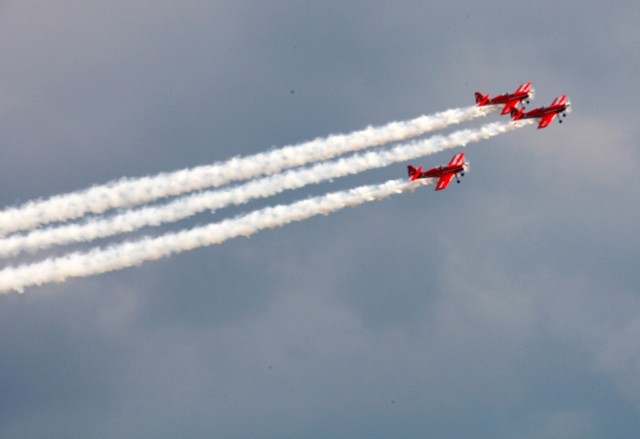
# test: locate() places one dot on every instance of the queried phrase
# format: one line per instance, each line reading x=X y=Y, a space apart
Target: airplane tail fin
x=413 y=172
x=516 y=113
x=481 y=99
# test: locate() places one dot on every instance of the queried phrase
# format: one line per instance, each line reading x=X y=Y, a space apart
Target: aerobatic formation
x=123 y=206
x=456 y=167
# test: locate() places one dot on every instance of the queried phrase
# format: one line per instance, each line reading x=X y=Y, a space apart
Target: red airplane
x=444 y=173
x=510 y=100
x=546 y=114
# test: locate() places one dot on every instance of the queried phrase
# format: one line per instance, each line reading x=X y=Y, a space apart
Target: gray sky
x=507 y=306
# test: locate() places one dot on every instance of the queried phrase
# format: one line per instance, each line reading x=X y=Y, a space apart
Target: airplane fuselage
x=503 y=99
x=442 y=170
x=543 y=111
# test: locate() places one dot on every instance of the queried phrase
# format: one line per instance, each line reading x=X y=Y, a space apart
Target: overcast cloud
x=507 y=306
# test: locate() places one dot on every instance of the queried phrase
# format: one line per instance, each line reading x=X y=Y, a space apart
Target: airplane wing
x=560 y=100
x=457 y=159
x=524 y=88
x=509 y=105
x=444 y=181
x=546 y=120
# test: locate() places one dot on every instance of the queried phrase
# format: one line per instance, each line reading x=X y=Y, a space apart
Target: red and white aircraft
x=546 y=114
x=510 y=100
x=445 y=174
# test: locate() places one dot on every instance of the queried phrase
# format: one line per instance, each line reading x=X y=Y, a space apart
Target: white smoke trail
x=260 y=188
x=131 y=192
x=129 y=254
